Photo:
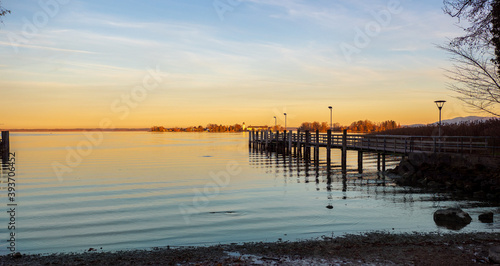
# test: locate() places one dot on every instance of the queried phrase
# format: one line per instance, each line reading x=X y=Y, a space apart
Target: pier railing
x=397 y=144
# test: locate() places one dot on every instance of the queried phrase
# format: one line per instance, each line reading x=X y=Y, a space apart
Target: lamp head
x=329 y=107
x=440 y=103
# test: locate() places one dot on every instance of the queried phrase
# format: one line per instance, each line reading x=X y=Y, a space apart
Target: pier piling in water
x=328 y=151
x=360 y=162
x=5 y=146
x=344 y=150
x=300 y=144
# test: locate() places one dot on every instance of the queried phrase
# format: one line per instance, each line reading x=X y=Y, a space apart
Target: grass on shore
x=475 y=128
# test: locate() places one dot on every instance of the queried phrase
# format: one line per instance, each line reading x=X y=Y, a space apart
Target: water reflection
x=371 y=183
x=303 y=170
x=128 y=193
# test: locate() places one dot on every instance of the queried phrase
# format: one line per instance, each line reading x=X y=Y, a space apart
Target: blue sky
x=70 y=63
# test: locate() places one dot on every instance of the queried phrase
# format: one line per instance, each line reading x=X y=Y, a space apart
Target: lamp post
x=275 y=122
x=331 y=125
x=439 y=105
x=285 y=120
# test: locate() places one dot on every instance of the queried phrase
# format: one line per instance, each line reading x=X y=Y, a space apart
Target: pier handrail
x=399 y=144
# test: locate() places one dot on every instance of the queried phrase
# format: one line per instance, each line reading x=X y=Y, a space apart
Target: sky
x=91 y=64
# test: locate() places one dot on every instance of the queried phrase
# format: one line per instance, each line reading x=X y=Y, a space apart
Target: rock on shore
x=477 y=177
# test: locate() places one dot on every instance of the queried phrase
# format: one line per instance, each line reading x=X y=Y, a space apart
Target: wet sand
x=378 y=248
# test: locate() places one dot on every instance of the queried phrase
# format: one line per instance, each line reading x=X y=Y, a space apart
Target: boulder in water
x=452 y=218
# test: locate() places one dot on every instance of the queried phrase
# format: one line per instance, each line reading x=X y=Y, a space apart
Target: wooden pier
x=300 y=144
x=5 y=146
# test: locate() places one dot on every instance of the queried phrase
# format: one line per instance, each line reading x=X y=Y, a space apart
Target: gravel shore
x=378 y=248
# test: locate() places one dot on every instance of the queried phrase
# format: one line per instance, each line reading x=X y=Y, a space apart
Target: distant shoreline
x=76 y=129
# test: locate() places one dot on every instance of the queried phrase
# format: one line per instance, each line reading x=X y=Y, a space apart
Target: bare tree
x=478 y=14
x=475 y=78
x=3 y=12
x=475 y=73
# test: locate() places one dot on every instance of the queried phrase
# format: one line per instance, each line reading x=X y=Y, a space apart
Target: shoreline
x=376 y=248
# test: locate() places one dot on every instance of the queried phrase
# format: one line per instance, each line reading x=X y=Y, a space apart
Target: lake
x=138 y=190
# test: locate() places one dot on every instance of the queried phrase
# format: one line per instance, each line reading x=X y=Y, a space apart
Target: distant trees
x=368 y=126
x=209 y=127
x=365 y=126
x=221 y=128
x=322 y=127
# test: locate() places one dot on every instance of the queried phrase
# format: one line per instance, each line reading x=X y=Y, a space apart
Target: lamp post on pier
x=439 y=105
x=331 y=125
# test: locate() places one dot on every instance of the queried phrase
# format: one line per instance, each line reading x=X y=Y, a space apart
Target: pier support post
x=316 y=148
x=378 y=161
x=283 y=142
x=266 y=138
x=276 y=142
x=295 y=152
x=360 y=162
x=5 y=145
x=383 y=161
x=328 y=151
x=307 y=146
x=256 y=140
x=261 y=142
x=299 y=143
x=290 y=135
x=344 y=149
x=250 y=139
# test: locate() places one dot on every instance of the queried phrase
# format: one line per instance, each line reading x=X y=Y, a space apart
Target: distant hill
x=457 y=120
x=465 y=119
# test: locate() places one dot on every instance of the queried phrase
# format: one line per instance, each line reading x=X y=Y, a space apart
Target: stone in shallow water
x=486 y=217
x=452 y=218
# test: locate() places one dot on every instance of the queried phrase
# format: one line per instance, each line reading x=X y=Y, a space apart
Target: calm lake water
x=138 y=190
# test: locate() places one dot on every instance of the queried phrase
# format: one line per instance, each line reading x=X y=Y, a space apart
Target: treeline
x=473 y=128
x=208 y=128
x=361 y=126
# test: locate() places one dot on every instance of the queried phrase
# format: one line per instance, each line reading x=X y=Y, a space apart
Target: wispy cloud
x=2 y=43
